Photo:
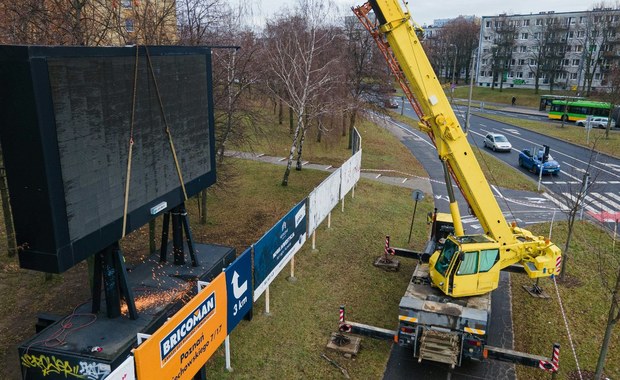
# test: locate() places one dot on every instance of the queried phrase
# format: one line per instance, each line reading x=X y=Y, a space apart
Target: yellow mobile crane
x=468 y=264
x=445 y=311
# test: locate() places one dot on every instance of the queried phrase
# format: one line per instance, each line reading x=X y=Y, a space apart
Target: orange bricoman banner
x=179 y=348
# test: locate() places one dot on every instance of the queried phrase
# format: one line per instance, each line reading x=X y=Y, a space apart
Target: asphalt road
x=602 y=195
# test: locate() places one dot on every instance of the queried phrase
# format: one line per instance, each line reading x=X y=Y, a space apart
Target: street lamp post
x=471 y=88
x=453 y=84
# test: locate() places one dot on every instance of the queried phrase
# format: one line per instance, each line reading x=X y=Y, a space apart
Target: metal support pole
x=415 y=205
x=471 y=90
x=227 y=349
x=177 y=237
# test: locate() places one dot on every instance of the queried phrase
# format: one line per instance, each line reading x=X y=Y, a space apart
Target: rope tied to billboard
x=131 y=126
x=163 y=115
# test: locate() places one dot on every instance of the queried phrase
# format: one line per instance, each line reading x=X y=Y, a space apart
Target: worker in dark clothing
x=514 y=100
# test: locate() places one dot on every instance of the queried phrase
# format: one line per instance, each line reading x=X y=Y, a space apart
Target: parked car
x=497 y=142
x=531 y=159
x=390 y=103
x=596 y=122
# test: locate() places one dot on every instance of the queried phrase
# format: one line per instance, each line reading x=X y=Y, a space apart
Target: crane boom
x=468 y=264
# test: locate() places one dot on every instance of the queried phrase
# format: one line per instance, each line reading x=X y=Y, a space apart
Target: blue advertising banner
x=275 y=249
x=239 y=288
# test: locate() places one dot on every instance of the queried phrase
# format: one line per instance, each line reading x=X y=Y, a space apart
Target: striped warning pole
x=388 y=251
x=555 y=357
x=558 y=265
x=342 y=326
x=554 y=365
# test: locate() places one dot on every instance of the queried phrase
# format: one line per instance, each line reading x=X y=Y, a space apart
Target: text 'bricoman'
x=186 y=328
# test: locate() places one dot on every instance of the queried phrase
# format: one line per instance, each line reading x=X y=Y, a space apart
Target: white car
x=596 y=122
x=497 y=142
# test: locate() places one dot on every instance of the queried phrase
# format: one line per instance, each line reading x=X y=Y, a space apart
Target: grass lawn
x=570 y=132
x=288 y=343
x=538 y=323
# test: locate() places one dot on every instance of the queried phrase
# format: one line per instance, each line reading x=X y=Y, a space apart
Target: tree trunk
x=289 y=163
x=290 y=121
x=571 y=223
x=280 y=113
x=301 y=147
x=351 y=126
x=6 y=211
x=344 y=123
x=612 y=319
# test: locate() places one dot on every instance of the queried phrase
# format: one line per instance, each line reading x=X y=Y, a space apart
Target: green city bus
x=576 y=110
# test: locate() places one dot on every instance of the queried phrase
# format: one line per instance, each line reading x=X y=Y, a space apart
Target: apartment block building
x=567 y=50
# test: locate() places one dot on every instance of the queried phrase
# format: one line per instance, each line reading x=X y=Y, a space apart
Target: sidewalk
x=504 y=107
x=389 y=177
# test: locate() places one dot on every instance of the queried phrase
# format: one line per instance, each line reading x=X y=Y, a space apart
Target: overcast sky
x=425 y=11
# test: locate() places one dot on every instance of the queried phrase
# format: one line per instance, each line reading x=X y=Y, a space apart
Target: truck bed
x=429 y=306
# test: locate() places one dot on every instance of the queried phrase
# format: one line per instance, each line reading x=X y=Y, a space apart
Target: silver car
x=497 y=142
x=595 y=122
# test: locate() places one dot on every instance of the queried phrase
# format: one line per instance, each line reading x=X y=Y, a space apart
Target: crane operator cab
x=466 y=265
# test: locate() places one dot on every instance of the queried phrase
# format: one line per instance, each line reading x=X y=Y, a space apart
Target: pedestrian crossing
x=604 y=207
x=551 y=182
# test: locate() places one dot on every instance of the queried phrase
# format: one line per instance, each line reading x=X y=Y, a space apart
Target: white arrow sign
x=238 y=290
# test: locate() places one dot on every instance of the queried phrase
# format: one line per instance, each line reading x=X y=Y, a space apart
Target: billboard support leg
x=110 y=274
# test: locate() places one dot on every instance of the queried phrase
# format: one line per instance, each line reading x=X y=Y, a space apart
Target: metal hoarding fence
x=275 y=249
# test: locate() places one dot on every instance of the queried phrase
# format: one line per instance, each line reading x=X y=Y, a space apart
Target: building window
x=526 y=22
x=573 y=75
x=582 y=19
x=581 y=33
x=539 y=21
x=524 y=36
x=578 y=48
x=484 y=61
x=532 y=62
x=488 y=24
x=530 y=75
x=519 y=74
x=129 y=25
x=523 y=49
x=512 y=62
x=575 y=62
x=571 y=34
x=597 y=76
x=127 y=4
x=565 y=62
x=537 y=35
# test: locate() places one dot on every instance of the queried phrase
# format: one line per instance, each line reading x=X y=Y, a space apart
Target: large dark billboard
x=67 y=117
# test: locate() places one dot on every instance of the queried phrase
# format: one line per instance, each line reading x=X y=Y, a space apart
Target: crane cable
x=570 y=338
x=131 y=127
x=163 y=115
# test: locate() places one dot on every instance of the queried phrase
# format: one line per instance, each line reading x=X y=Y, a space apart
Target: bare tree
x=501 y=52
x=198 y=18
x=611 y=94
x=552 y=57
x=576 y=200
x=294 y=45
x=597 y=39
x=462 y=36
x=614 y=309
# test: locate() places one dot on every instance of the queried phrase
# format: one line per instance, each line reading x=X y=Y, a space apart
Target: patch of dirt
x=569 y=281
